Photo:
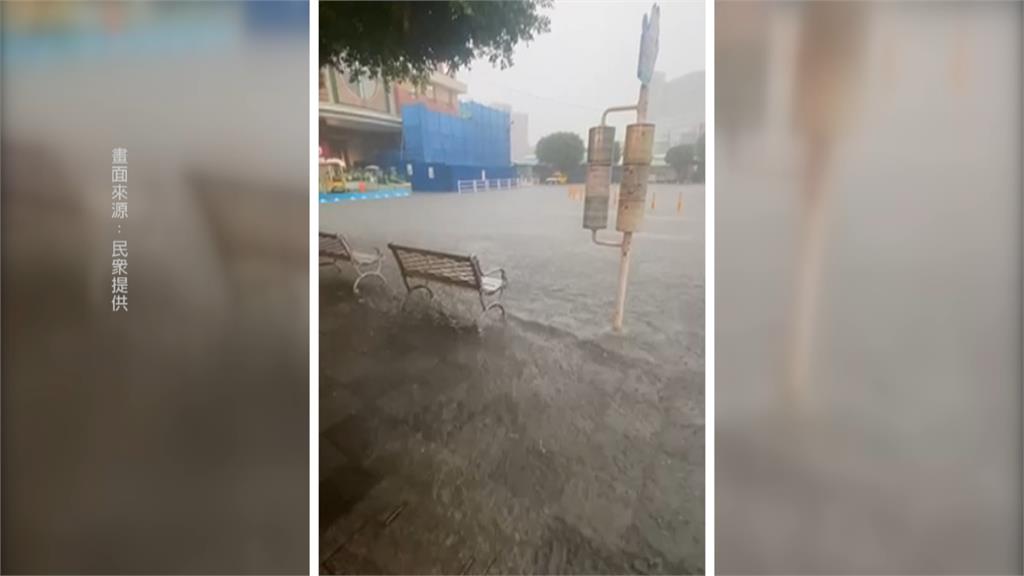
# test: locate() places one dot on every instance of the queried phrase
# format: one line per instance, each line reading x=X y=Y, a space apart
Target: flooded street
x=543 y=443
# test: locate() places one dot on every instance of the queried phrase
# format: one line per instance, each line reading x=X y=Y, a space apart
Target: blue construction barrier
x=436 y=177
x=439 y=149
x=479 y=136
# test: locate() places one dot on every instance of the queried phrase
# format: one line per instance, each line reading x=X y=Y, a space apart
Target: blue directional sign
x=648 y=45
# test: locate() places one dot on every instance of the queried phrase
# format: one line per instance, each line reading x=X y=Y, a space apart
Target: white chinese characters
x=119 y=214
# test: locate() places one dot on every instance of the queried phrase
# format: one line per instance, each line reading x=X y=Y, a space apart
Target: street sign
x=635 y=169
x=648 y=45
x=599 y=177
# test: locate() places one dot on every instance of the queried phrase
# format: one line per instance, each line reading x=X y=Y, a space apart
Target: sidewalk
x=524 y=449
x=546 y=444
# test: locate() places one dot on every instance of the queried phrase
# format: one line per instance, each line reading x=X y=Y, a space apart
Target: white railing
x=494 y=184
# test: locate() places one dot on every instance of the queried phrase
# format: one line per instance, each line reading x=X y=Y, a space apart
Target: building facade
x=519 y=135
x=441 y=94
x=519 y=132
x=361 y=120
x=676 y=107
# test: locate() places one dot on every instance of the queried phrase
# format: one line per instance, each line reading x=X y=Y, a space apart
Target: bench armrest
x=500 y=272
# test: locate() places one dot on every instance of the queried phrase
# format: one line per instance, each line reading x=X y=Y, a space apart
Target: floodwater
x=541 y=443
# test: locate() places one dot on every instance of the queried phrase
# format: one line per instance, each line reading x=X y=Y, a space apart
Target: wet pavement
x=540 y=444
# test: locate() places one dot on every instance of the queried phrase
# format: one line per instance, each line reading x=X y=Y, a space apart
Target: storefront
x=358 y=137
x=359 y=120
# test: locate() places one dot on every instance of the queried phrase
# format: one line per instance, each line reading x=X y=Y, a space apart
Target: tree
x=680 y=157
x=399 y=41
x=562 y=151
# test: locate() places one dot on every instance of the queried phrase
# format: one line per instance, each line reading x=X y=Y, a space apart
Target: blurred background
x=868 y=259
x=171 y=438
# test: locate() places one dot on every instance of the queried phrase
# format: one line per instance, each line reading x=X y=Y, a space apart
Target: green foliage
x=560 y=150
x=680 y=157
x=400 y=41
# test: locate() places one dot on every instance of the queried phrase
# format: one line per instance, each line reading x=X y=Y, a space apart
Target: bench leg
x=413 y=289
x=363 y=273
x=497 y=305
x=487 y=307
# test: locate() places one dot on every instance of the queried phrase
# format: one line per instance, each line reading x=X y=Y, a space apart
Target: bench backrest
x=454 y=269
x=334 y=246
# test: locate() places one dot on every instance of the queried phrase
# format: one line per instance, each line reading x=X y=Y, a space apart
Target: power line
x=548 y=98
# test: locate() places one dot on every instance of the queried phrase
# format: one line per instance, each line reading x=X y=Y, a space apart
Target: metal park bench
x=451 y=269
x=334 y=248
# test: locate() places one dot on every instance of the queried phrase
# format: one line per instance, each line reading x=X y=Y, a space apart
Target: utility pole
x=636 y=163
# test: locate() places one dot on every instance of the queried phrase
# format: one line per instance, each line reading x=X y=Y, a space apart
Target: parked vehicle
x=332 y=175
x=556 y=178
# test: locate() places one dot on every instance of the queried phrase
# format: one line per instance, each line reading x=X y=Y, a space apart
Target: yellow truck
x=556 y=178
x=332 y=175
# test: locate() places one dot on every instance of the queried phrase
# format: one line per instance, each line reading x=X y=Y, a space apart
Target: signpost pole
x=627 y=237
x=620 y=302
x=636 y=156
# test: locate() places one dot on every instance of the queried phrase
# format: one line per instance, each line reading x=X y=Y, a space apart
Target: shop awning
x=361 y=119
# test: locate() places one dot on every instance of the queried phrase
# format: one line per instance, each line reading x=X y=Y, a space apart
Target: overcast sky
x=587 y=62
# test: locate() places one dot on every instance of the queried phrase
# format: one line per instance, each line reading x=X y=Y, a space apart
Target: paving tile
x=530 y=472
x=330 y=459
x=342 y=490
x=358 y=436
x=336 y=403
x=345 y=561
x=374 y=506
x=522 y=450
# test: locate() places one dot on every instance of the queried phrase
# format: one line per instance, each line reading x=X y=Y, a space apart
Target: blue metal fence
x=437 y=177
